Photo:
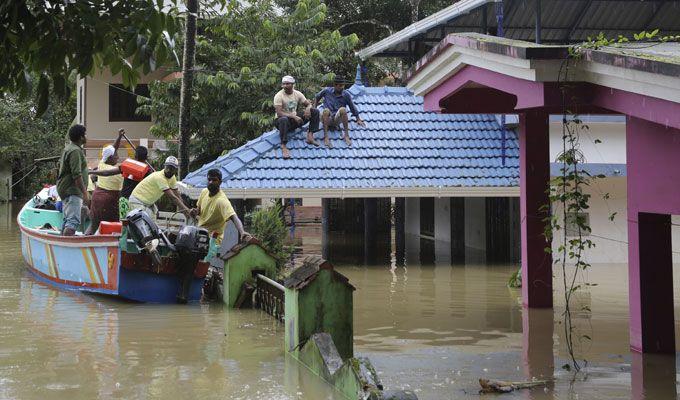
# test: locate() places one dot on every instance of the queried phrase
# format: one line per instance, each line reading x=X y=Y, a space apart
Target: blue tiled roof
x=401 y=146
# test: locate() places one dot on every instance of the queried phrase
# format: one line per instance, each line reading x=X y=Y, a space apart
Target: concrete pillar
x=442 y=230
x=475 y=229
x=370 y=230
x=325 y=227
x=537 y=344
x=457 y=213
x=534 y=167
x=412 y=212
x=442 y=218
x=325 y=214
x=652 y=152
x=515 y=245
x=650 y=281
x=399 y=234
x=353 y=215
x=652 y=376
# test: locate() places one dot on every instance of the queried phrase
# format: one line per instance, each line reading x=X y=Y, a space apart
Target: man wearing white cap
x=104 y=204
x=152 y=188
x=289 y=118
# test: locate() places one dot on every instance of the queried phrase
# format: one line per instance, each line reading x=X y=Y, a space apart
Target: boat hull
x=94 y=263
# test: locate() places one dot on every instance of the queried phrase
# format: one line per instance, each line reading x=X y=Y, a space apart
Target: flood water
x=426 y=325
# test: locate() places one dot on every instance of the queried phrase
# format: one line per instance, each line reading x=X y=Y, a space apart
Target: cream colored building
x=104 y=105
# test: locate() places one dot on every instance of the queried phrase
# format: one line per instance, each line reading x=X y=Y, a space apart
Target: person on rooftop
x=288 y=116
x=336 y=100
x=151 y=189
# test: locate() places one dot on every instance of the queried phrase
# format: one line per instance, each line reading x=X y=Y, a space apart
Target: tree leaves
x=240 y=59
x=43 y=94
x=55 y=39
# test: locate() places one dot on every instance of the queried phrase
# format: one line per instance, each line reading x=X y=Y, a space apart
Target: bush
x=268 y=227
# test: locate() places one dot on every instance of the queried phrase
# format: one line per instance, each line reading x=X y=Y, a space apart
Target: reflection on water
x=426 y=325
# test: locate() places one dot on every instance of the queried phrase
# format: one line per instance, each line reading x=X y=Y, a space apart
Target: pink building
x=474 y=73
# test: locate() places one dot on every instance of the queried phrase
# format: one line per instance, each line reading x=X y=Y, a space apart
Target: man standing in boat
x=152 y=188
x=214 y=209
x=71 y=180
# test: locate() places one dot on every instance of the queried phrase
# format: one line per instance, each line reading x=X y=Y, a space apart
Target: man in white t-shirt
x=288 y=116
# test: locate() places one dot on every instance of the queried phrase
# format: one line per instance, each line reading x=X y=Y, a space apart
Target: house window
x=571 y=225
x=123 y=104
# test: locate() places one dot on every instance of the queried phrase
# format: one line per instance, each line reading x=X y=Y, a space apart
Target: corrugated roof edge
x=234 y=153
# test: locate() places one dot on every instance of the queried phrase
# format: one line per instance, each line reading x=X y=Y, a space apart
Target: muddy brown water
x=427 y=326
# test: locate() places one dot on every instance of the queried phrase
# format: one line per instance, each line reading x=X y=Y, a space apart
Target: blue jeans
x=71 y=209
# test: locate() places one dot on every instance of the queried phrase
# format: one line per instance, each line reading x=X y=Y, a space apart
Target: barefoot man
x=289 y=118
x=336 y=100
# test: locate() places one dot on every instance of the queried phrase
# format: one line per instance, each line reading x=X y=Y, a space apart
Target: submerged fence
x=269 y=297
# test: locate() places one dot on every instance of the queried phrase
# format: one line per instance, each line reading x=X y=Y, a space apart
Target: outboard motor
x=192 y=245
x=146 y=234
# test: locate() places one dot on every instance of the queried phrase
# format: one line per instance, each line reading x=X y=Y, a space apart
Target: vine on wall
x=568 y=199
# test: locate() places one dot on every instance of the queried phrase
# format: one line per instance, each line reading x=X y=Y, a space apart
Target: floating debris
x=494 y=386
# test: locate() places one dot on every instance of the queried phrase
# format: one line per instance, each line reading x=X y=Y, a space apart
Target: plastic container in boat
x=133 y=169
x=109 y=228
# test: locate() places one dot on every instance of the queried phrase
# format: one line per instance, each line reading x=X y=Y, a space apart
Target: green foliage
x=267 y=225
x=240 y=59
x=373 y=20
x=515 y=280
x=43 y=43
x=25 y=136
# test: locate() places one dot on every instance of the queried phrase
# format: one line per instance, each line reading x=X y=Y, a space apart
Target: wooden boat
x=109 y=264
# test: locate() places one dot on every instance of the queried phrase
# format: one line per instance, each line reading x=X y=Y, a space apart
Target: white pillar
x=475 y=228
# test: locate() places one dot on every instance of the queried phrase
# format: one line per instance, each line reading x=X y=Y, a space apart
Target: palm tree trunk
x=187 y=86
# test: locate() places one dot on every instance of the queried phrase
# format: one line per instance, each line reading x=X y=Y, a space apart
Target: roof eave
x=449 y=191
x=460 y=8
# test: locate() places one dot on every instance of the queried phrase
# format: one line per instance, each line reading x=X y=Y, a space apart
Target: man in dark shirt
x=71 y=185
x=336 y=100
x=141 y=155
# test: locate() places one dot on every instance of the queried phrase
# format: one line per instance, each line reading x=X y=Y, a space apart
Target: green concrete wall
x=345 y=379
x=292 y=335
x=239 y=269
x=324 y=305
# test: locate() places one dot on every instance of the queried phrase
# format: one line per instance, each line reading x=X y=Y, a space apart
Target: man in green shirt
x=71 y=185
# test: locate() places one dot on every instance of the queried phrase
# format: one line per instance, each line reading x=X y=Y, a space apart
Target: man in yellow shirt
x=152 y=188
x=214 y=209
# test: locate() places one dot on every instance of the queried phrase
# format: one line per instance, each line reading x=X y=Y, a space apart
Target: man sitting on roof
x=336 y=100
x=214 y=209
x=289 y=118
x=152 y=188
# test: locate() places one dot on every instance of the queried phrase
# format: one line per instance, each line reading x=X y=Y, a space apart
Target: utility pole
x=188 y=60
